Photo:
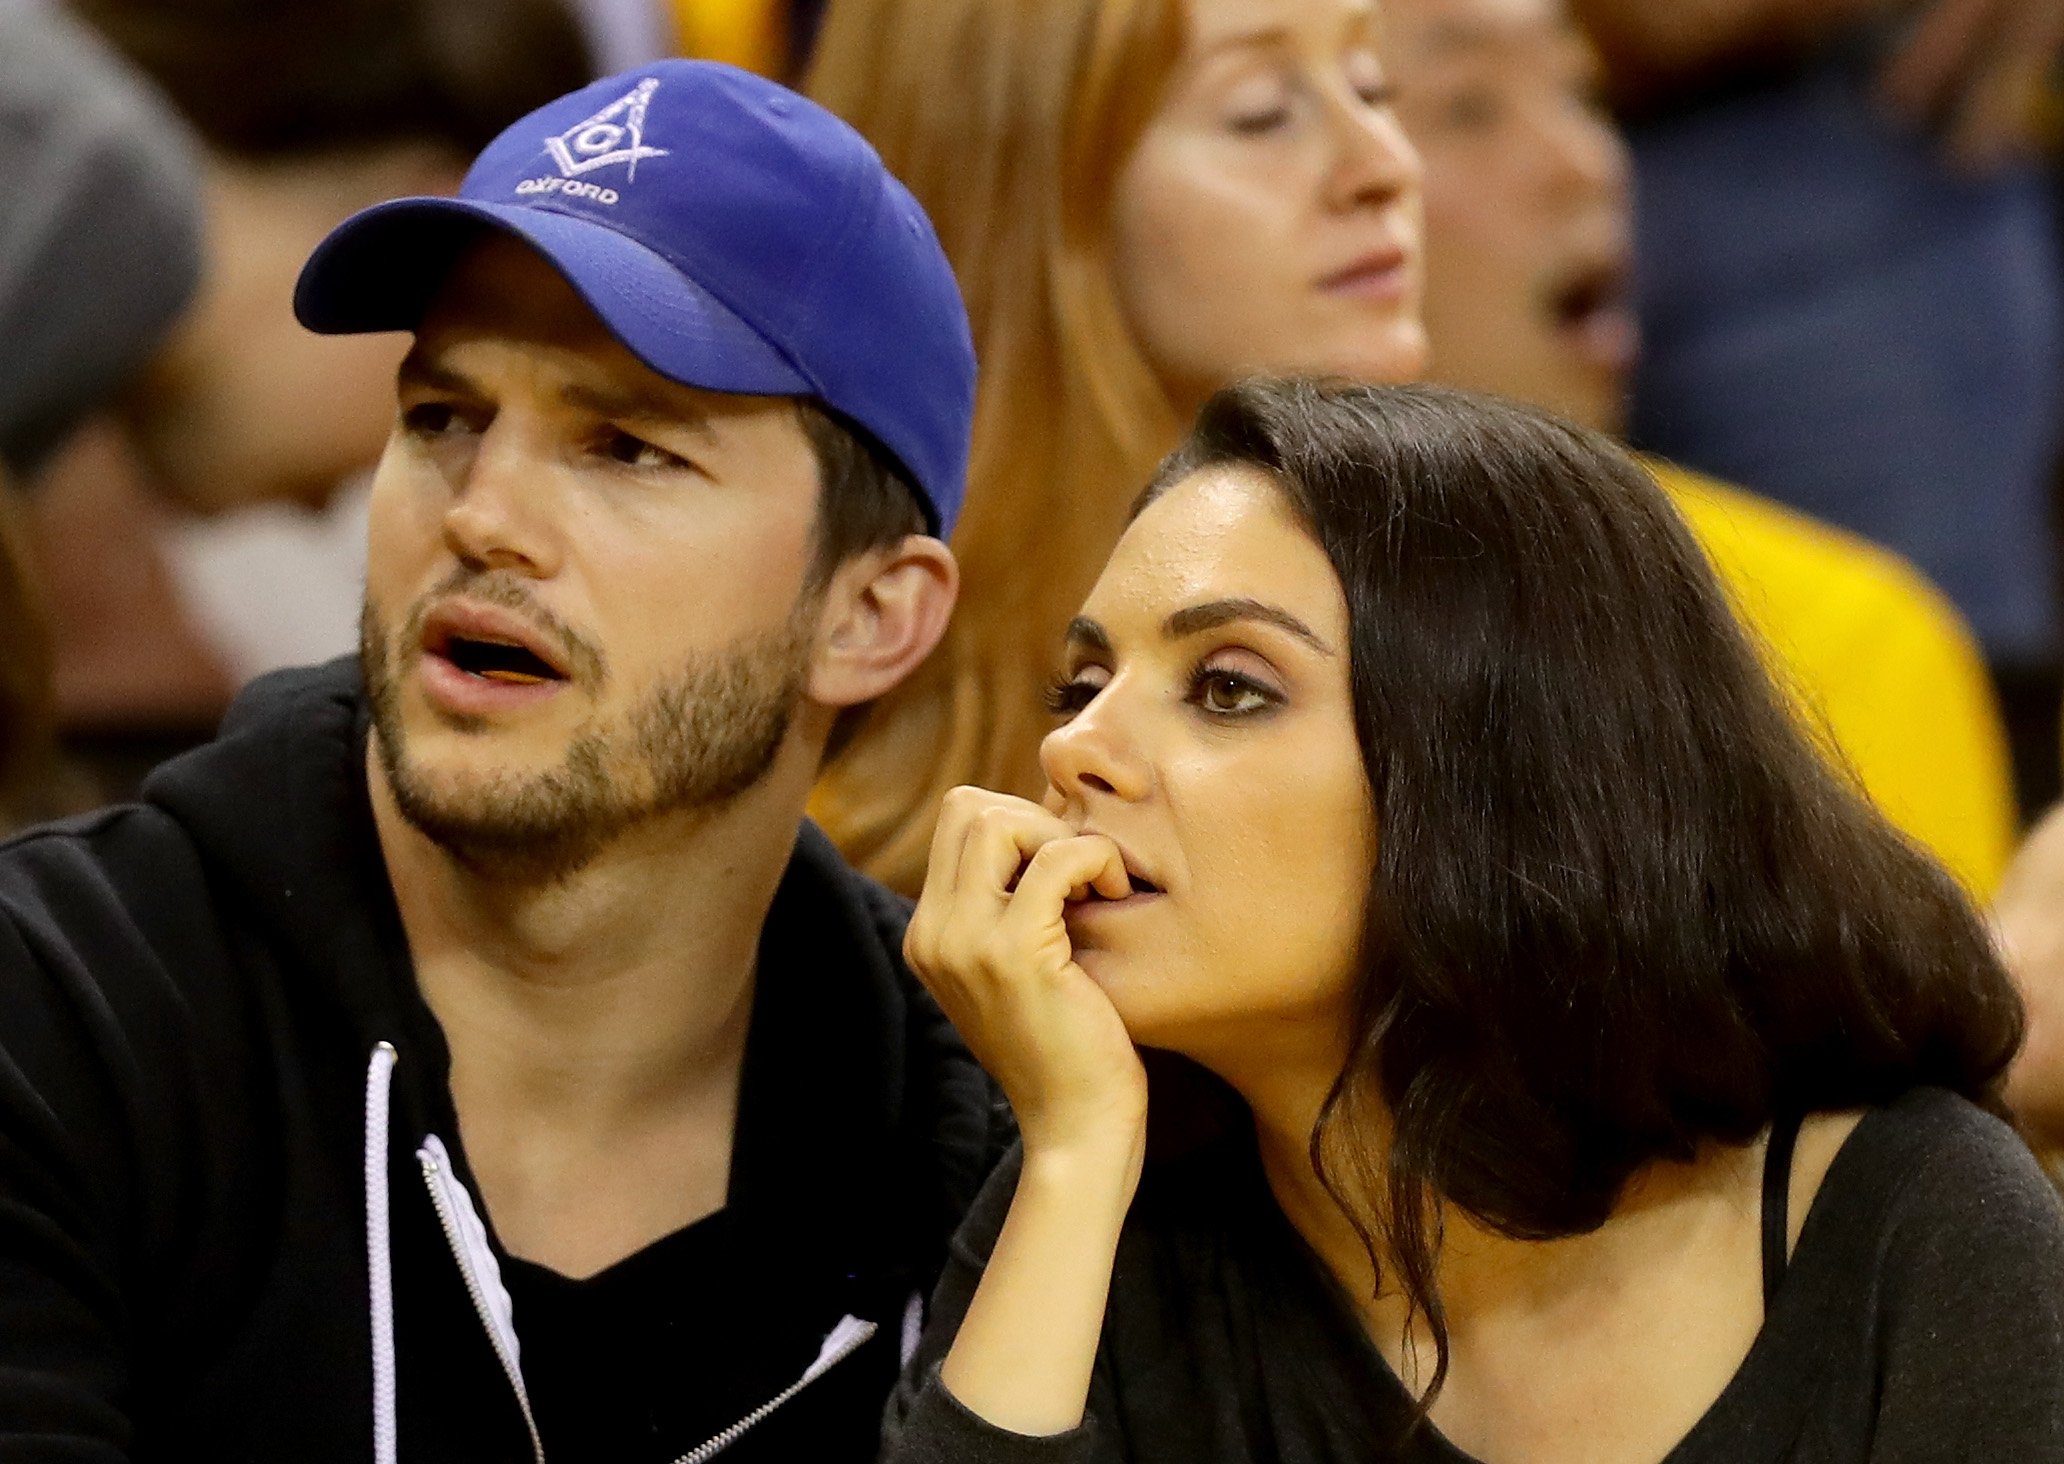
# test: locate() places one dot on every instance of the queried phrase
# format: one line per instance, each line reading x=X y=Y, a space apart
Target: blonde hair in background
x=1010 y=120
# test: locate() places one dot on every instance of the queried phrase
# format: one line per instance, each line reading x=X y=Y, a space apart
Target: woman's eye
x=1068 y=695
x=1261 y=103
x=1255 y=124
x=1229 y=694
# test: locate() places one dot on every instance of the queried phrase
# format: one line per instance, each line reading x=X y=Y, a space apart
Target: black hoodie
x=210 y=1243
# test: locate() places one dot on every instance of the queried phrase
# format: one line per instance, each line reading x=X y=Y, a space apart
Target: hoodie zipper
x=432 y=1171
x=847 y=1338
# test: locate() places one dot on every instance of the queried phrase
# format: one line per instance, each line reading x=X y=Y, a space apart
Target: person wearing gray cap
x=100 y=246
x=473 y=1054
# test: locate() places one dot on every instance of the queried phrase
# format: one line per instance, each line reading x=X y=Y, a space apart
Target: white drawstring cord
x=379 y=1253
x=913 y=1326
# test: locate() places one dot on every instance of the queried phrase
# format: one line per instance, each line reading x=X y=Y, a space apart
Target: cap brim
x=380 y=270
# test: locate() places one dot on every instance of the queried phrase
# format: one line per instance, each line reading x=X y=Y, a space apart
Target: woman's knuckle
x=962 y=799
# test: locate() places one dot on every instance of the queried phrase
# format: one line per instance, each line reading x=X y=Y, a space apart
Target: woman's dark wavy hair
x=1622 y=904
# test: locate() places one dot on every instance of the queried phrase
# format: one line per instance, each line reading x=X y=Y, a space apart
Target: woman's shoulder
x=1940 y=1198
x=1932 y=1149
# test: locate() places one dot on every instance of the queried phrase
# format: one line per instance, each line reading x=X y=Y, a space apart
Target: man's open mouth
x=1593 y=310
x=1589 y=292
x=498 y=661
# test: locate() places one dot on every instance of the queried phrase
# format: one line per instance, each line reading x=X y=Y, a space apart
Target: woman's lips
x=1385 y=274
x=1145 y=891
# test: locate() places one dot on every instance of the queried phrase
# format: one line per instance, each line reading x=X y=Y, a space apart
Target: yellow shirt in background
x=748 y=33
x=1881 y=661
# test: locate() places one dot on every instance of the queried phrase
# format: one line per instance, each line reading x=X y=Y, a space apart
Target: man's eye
x=1471 y=111
x=428 y=419
x=1228 y=694
x=1365 y=74
x=636 y=452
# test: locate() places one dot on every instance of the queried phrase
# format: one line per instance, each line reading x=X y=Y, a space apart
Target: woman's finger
x=1000 y=841
x=1033 y=927
x=1064 y=869
x=957 y=814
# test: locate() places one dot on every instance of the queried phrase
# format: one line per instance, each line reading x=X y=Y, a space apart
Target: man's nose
x=504 y=511
x=1584 y=153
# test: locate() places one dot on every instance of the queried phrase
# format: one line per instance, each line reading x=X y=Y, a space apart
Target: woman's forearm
x=1026 y=1348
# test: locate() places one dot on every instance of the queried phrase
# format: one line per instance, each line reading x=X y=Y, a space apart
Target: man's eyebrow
x=637 y=404
x=1213 y=613
x=418 y=369
x=1087 y=633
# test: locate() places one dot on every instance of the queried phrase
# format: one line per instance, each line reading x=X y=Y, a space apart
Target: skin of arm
x=989 y=939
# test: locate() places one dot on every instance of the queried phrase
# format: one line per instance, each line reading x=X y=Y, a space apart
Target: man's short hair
x=865 y=500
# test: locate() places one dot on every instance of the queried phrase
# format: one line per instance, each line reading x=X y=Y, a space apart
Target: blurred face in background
x=1269 y=218
x=1528 y=214
x=243 y=405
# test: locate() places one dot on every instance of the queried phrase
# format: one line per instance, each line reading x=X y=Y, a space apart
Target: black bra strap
x=1777 y=1193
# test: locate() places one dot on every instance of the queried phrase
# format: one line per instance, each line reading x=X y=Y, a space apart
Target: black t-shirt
x=646 y=1361
x=1921 y=1319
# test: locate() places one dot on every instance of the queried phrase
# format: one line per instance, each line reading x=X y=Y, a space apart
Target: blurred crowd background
x=1846 y=279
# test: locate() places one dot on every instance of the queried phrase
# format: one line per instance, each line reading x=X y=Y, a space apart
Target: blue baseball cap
x=732 y=234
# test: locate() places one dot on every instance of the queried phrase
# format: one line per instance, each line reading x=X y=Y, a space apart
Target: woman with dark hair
x=1600 y=1078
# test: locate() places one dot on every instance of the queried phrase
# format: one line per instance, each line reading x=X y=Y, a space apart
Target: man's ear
x=884 y=611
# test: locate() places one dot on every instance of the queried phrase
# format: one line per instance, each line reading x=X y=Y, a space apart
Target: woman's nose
x=1377 y=163
x=1089 y=756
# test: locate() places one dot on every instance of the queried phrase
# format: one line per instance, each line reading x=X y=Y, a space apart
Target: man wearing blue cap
x=472 y=1054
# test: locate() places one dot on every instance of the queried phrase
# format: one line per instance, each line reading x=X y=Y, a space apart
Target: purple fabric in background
x=1838 y=320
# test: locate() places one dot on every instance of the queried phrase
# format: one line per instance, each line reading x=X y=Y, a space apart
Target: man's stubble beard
x=694 y=742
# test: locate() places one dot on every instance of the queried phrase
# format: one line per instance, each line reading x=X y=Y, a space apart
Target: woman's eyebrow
x=1087 y=633
x=1214 y=613
x=1362 y=15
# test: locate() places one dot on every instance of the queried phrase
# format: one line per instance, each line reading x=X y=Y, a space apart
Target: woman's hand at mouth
x=990 y=941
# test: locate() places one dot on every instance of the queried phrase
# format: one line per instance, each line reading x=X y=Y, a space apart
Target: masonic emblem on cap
x=616 y=134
